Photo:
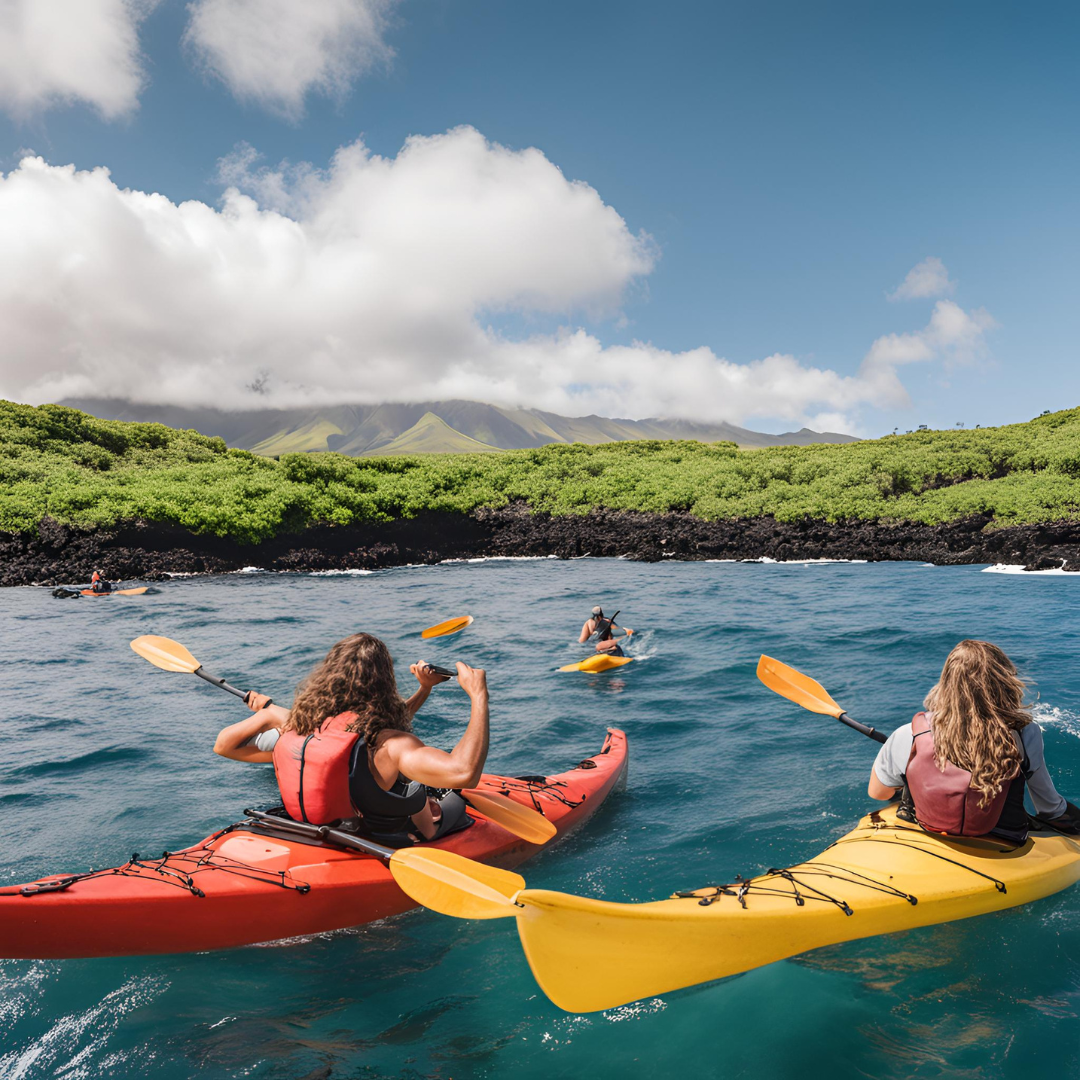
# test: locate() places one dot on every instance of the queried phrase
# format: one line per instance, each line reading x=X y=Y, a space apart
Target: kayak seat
x=454 y=819
x=454 y=822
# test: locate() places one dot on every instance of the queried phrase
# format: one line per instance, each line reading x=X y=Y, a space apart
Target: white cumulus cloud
x=56 y=52
x=953 y=335
x=924 y=281
x=378 y=279
x=275 y=52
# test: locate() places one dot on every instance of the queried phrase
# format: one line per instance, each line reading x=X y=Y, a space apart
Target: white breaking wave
x=1012 y=568
x=69 y=1048
x=792 y=562
x=499 y=558
x=341 y=573
x=1053 y=716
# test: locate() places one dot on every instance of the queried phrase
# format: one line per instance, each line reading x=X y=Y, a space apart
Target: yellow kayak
x=599 y=662
x=883 y=876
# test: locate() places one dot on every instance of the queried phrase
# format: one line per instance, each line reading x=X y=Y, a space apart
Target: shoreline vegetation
x=143 y=500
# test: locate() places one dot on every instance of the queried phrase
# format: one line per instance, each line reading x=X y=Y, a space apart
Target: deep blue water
x=105 y=755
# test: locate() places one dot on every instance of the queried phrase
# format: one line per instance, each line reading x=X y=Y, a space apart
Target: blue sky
x=787 y=163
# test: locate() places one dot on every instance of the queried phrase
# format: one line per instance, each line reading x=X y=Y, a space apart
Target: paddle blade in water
x=165 y=653
x=521 y=820
x=797 y=687
x=451 y=626
x=453 y=885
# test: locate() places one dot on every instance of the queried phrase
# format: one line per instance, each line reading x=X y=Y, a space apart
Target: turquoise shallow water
x=105 y=755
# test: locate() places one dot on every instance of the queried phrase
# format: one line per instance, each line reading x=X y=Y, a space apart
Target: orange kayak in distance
x=116 y=592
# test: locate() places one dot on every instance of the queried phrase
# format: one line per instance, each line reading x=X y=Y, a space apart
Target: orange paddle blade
x=451 y=626
x=520 y=820
x=165 y=653
x=797 y=687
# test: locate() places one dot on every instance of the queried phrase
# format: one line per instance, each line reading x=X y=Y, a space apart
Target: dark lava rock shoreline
x=59 y=554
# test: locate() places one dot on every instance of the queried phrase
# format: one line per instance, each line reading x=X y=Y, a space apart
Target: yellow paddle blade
x=165 y=653
x=451 y=626
x=795 y=686
x=521 y=820
x=453 y=885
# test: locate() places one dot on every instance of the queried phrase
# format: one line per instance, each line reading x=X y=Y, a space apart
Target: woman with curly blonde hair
x=967 y=758
x=346 y=747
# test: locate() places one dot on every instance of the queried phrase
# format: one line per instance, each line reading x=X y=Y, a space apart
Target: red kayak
x=259 y=881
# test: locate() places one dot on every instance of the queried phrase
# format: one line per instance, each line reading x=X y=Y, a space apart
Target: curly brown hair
x=357 y=676
x=977 y=704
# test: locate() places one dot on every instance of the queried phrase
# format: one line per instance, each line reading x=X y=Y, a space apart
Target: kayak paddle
x=450 y=884
x=453 y=885
x=804 y=691
x=451 y=626
x=170 y=655
x=459 y=887
x=522 y=821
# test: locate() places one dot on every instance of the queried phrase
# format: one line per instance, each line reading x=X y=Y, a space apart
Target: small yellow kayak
x=117 y=592
x=882 y=877
x=451 y=626
x=599 y=662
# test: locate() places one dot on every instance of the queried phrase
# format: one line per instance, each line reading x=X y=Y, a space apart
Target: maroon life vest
x=944 y=800
x=313 y=771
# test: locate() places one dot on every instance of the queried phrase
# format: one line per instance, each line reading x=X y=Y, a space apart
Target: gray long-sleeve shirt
x=892 y=761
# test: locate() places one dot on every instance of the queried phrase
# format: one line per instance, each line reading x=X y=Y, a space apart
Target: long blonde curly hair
x=977 y=704
x=357 y=676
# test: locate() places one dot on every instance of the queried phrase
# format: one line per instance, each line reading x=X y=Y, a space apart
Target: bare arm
x=877 y=790
x=586 y=632
x=427 y=679
x=463 y=766
x=231 y=740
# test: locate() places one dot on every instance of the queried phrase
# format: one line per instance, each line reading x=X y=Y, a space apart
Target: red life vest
x=944 y=800
x=313 y=771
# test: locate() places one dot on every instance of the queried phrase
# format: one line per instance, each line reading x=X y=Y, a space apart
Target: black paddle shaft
x=322 y=832
x=218 y=681
x=445 y=672
x=863 y=729
x=608 y=624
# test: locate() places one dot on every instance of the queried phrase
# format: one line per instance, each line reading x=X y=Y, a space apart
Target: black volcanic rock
x=58 y=554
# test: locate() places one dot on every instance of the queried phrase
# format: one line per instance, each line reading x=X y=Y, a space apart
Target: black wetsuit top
x=383 y=811
x=607 y=635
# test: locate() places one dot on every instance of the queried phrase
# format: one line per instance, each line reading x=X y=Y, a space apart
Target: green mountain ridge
x=464 y=426
x=433 y=435
x=69 y=467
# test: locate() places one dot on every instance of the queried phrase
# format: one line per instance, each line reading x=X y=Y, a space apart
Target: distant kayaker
x=604 y=629
x=98 y=584
x=346 y=746
x=967 y=759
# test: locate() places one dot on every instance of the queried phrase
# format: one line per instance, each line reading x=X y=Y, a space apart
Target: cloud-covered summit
x=376 y=280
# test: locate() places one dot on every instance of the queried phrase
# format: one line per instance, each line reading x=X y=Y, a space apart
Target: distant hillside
x=428 y=427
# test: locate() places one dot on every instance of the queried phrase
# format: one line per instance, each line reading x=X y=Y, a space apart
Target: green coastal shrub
x=80 y=470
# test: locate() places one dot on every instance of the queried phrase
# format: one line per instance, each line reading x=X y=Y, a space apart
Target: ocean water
x=105 y=755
